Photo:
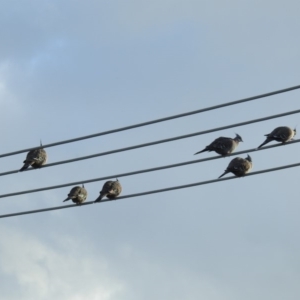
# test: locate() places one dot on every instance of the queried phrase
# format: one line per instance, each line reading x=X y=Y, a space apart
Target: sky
x=74 y=68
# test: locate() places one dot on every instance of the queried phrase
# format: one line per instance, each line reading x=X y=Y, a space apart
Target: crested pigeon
x=111 y=189
x=35 y=158
x=281 y=134
x=77 y=194
x=239 y=166
x=223 y=145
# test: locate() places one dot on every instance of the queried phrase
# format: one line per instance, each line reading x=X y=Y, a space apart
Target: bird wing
x=115 y=190
x=36 y=155
x=107 y=187
x=279 y=133
x=221 y=143
x=75 y=191
x=241 y=166
x=283 y=133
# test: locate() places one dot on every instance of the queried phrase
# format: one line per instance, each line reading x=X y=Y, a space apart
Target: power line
x=141 y=171
x=157 y=120
x=157 y=142
x=153 y=191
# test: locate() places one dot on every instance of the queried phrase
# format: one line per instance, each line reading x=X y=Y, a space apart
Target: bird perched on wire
x=35 y=158
x=239 y=166
x=78 y=194
x=281 y=134
x=223 y=145
x=111 y=189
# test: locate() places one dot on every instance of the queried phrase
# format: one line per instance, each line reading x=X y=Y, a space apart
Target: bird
x=111 y=189
x=239 y=166
x=281 y=134
x=35 y=158
x=78 y=194
x=223 y=145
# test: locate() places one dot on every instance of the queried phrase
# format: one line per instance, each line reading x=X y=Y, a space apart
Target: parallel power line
x=157 y=120
x=142 y=171
x=152 y=192
x=158 y=142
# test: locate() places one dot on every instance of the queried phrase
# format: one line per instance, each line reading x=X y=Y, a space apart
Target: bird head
x=249 y=158
x=238 y=138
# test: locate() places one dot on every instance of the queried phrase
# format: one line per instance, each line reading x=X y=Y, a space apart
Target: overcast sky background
x=73 y=68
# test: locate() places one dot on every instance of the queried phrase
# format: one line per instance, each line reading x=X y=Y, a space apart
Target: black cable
x=142 y=171
x=157 y=142
x=156 y=121
x=152 y=192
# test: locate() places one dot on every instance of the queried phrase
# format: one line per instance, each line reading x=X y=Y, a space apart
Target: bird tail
x=26 y=165
x=265 y=142
x=223 y=174
x=67 y=199
x=99 y=198
x=201 y=151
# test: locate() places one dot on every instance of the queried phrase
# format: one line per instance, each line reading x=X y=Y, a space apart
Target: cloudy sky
x=73 y=68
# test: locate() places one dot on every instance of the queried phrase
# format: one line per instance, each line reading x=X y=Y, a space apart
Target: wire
x=142 y=171
x=157 y=120
x=157 y=142
x=152 y=192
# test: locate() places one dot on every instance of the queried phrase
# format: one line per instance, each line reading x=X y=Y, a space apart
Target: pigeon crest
x=281 y=134
x=78 y=194
x=35 y=158
x=111 y=189
x=239 y=166
x=223 y=145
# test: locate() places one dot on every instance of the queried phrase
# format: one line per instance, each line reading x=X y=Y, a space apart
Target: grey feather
x=35 y=158
x=281 y=134
x=223 y=145
x=111 y=189
x=239 y=166
x=77 y=194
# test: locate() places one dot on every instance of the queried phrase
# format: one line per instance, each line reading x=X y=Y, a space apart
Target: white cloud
x=63 y=270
